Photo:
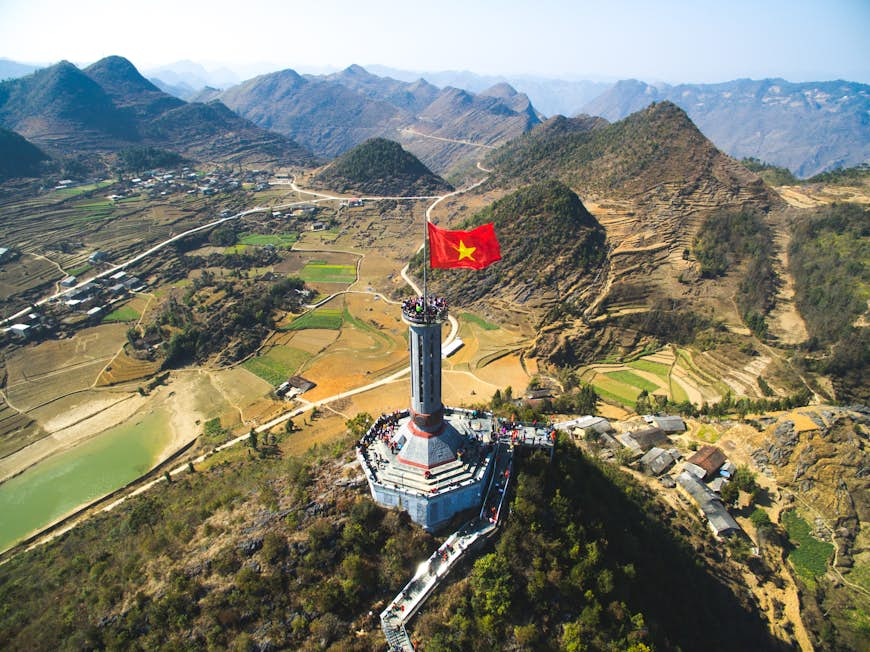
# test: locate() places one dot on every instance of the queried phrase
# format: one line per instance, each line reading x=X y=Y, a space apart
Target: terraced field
x=679 y=377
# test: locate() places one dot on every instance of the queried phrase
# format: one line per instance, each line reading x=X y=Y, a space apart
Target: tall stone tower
x=431 y=440
x=429 y=460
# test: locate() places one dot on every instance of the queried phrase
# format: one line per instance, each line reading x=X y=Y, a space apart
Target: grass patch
x=326 y=318
x=279 y=241
x=707 y=434
x=81 y=269
x=613 y=398
x=632 y=379
x=477 y=321
x=124 y=313
x=327 y=273
x=678 y=394
x=657 y=368
x=809 y=556
x=277 y=364
x=616 y=390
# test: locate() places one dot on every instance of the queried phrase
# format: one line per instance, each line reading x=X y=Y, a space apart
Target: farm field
x=41 y=373
x=661 y=373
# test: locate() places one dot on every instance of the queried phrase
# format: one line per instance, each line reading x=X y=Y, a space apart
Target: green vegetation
x=19 y=157
x=268 y=567
x=81 y=269
x=277 y=364
x=772 y=174
x=581 y=564
x=124 y=313
x=629 y=378
x=139 y=159
x=328 y=273
x=478 y=321
x=726 y=239
x=843 y=176
x=809 y=556
x=829 y=257
x=381 y=167
x=246 y=317
x=278 y=240
x=327 y=318
x=658 y=368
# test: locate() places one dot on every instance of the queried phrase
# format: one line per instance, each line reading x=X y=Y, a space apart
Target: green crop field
x=124 y=313
x=328 y=318
x=633 y=380
x=81 y=269
x=477 y=321
x=615 y=390
x=810 y=556
x=326 y=273
x=277 y=364
x=279 y=240
x=657 y=368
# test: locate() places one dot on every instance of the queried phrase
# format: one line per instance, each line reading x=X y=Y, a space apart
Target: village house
x=668 y=423
x=708 y=458
x=720 y=521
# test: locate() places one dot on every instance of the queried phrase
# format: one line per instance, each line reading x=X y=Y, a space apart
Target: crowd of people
x=418 y=309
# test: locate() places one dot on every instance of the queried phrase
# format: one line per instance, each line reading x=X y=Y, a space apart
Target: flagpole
x=425 y=261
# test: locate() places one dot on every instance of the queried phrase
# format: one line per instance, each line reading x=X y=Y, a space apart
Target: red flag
x=475 y=249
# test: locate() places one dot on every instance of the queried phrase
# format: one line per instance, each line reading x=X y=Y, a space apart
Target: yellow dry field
x=248 y=395
x=27 y=272
x=811 y=196
x=41 y=373
x=125 y=368
x=312 y=340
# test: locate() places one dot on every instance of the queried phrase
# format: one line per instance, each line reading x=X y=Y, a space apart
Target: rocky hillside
x=110 y=106
x=550 y=245
x=808 y=128
x=819 y=458
x=333 y=113
x=380 y=167
x=656 y=158
x=18 y=157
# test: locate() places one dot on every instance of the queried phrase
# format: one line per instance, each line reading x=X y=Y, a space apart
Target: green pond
x=61 y=483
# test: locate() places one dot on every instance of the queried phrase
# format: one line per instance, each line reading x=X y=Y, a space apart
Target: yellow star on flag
x=465 y=252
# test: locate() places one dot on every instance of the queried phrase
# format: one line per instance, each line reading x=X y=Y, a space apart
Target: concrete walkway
x=431 y=572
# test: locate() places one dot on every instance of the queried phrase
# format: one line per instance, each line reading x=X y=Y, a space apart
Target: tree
x=167 y=477
x=729 y=492
x=289 y=426
x=359 y=424
x=643 y=405
x=252 y=438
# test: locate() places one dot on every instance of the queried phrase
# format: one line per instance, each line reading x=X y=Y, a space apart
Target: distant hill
x=808 y=127
x=331 y=114
x=12 y=69
x=18 y=157
x=109 y=106
x=325 y=116
x=380 y=167
x=656 y=157
x=550 y=244
x=550 y=96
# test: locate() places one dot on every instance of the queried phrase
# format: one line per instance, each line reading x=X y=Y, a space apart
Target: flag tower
x=431 y=460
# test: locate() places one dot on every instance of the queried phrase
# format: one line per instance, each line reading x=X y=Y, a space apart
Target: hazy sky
x=664 y=40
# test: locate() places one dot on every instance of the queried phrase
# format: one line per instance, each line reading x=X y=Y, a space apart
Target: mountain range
x=109 y=106
x=332 y=113
x=808 y=127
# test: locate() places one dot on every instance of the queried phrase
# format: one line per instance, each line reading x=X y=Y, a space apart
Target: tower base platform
x=452 y=478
